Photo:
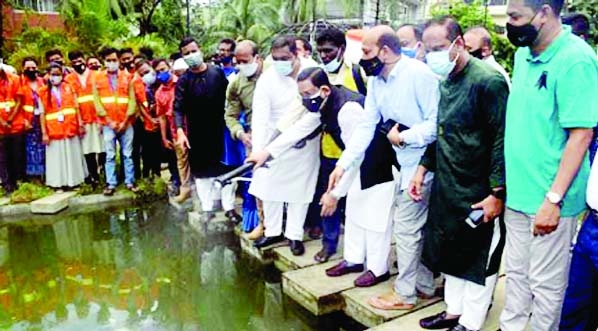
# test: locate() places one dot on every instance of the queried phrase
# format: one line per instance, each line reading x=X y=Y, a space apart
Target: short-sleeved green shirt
x=551 y=92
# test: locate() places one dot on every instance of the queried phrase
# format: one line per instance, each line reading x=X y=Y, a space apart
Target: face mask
x=111 y=66
x=226 y=60
x=313 y=103
x=409 y=52
x=248 y=69
x=284 y=68
x=128 y=65
x=95 y=67
x=193 y=60
x=333 y=65
x=149 y=78
x=30 y=74
x=79 y=68
x=59 y=62
x=163 y=77
x=55 y=80
x=373 y=66
x=522 y=36
x=440 y=62
x=477 y=53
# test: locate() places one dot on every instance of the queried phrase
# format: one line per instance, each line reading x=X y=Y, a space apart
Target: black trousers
x=151 y=152
x=137 y=145
x=12 y=160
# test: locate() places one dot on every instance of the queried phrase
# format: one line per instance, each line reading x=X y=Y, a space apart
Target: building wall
x=15 y=20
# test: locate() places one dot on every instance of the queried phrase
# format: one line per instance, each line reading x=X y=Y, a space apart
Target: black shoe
x=233 y=217
x=460 y=327
x=438 y=321
x=267 y=241
x=296 y=247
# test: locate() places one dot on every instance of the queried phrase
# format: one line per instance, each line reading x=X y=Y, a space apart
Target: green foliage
x=152 y=190
x=474 y=14
x=590 y=8
x=168 y=21
x=28 y=192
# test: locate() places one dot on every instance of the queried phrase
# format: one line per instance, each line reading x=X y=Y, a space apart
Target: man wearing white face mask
x=405 y=91
x=464 y=237
x=199 y=102
x=291 y=177
x=239 y=97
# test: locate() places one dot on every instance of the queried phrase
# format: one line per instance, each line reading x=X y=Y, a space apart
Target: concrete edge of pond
x=78 y=202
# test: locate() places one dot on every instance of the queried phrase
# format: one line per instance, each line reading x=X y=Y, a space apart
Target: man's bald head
x=246 y=47
x=383 y=35
x=478 y=38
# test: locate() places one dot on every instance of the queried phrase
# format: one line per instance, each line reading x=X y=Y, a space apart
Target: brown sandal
x=108 y=191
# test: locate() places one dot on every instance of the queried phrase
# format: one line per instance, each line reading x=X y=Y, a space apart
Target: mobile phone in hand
x=475 y=218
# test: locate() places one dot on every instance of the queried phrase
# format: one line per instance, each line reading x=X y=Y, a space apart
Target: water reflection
x=135 y=269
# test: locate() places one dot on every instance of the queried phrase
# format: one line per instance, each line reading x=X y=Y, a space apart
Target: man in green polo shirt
x=551 y=111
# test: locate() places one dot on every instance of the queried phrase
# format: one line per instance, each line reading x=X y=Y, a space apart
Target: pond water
x=139 y=269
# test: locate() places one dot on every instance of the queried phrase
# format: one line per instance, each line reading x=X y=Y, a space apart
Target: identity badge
x=60 y=117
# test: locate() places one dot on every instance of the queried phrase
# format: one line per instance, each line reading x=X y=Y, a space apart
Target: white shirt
x=492 y=62
x=592 y=192
x=410 y=96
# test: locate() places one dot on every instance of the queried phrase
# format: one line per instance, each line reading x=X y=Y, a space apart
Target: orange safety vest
x=141 y=98
x=116 y=102
x=84 y=93
x=28 y=102
x=10 y=93
x=61 y=120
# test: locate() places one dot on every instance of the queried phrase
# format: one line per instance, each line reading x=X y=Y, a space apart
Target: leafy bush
x=28 y=192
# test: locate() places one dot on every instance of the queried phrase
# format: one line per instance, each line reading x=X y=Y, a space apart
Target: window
x=38 y=5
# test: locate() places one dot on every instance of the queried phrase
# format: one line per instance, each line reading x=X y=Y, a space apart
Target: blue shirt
x=409 y=96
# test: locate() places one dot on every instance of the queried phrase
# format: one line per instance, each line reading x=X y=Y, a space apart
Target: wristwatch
x=499 y=194
x=554 y=198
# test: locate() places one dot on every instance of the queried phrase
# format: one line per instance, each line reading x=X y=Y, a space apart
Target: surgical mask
x=193 y=60
x=409 y=52
x=111 y=66
x=30 y=74
x=164 y=77
x=149 y=78
x=373 y=66
x=79 y=68
x=522 y=36
x=333 y=65
x=55 y=80
x=440 y=62
x=477 y=53
x=248 y=69
x=226 y=60
x=313 y=103
x=283 y=68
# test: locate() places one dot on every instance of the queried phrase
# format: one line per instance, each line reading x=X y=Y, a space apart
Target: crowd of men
x=427 y=139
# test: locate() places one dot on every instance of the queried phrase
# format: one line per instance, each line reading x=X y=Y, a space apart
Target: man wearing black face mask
x=406 y=91
x=226 y=51
x=552 y=109
x=92 y=143
x=478 y=43
x=126 y=56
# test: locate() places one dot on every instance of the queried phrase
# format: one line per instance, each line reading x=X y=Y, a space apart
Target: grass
x=28 y=192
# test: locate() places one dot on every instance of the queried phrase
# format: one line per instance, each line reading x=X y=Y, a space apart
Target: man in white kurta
x=290 y=178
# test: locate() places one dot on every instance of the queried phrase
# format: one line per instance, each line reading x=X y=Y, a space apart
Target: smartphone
x=475 y=218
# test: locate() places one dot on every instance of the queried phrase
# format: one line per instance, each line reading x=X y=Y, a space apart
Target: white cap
x=180 y=64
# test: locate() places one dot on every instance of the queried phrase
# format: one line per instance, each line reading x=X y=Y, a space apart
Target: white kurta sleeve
x=261 y=113
x=364 y=132
x=302 y=128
